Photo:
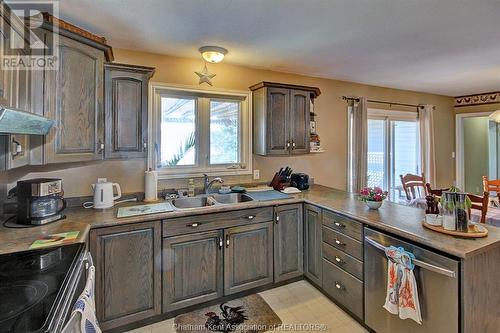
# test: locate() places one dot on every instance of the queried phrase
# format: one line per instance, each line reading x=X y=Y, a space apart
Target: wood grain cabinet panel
x=300 y=104
x=248 y=257
x=126 y=110
x=192 y=269
x=128 y=272
x=288 y=242
x=278 y=119
x=312 y=244
x=74 y=99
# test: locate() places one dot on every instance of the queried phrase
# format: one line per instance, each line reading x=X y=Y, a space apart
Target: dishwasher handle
x=422 y=264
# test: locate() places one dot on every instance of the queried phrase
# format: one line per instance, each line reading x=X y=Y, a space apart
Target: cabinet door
x=288 y=242
x=248 y=257
x=74 y=99
x=128 y=272
x=312 y=244
x=126 y=113
x=192 y=269
x=278 y=109
x=300 y=104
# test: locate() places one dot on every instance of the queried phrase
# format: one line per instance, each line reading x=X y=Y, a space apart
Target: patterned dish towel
x=83 y=318
x=402 y=294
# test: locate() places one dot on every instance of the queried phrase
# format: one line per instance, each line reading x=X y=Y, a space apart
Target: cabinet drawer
x=343 y=225
x=197 y=223
x=343 y=242
x=343 y=287
x=343 y=260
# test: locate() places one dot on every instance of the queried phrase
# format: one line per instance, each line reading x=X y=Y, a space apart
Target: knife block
x=278 y=182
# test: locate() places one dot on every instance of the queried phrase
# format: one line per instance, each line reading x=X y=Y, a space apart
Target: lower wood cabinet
x=312 y=244
x=248 y=257
x=192 y=269
x=288 y=242
x=128 y=272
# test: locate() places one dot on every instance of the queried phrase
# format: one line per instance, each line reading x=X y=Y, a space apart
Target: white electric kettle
x=103 y=195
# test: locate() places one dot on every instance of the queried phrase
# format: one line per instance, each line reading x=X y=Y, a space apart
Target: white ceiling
x=449 y=47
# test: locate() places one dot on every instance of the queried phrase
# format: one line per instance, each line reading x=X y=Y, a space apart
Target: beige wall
x=328 y=168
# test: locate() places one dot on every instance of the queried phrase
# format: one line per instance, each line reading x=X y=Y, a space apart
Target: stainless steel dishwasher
x=437 y=283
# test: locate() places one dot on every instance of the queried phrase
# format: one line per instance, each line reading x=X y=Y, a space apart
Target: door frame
x=459 y=144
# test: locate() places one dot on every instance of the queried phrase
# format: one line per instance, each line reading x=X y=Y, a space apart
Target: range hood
x=13 y=121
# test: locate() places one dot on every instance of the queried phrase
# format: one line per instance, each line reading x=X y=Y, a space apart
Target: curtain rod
x=381 y=102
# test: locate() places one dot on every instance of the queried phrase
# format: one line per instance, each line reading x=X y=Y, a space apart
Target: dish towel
x=83 y=317
x=402 y=294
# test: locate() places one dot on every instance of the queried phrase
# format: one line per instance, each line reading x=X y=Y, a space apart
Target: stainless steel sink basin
x=194 y=202
x=231 y=198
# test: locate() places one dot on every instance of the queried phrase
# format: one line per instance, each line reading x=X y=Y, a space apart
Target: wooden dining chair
x=480 y=203
x=491 y=185
x=438 y=192
x=414 y=186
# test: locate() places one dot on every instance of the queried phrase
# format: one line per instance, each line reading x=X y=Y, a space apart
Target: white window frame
x=388 y=116
x=244 y=167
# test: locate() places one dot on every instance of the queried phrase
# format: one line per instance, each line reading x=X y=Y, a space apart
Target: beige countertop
x=394 y=218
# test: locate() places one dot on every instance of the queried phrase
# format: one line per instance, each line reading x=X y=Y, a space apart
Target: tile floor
x=295 y=303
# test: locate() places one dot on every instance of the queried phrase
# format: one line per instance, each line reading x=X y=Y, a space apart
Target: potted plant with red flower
x=373 y=196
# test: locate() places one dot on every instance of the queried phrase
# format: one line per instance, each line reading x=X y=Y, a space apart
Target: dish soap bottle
x=191 y=188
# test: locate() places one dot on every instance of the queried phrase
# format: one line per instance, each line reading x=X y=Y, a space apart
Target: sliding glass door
x=393 y=150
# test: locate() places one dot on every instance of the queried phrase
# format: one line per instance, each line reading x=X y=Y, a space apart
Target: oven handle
x=90 y=262
x=417 y=262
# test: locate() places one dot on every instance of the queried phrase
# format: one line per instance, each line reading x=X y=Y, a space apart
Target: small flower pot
x=374 y=204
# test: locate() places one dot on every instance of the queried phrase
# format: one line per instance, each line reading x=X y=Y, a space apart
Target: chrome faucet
x=208 y=184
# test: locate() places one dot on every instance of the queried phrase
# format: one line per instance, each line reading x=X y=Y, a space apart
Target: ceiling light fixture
x=213 y=54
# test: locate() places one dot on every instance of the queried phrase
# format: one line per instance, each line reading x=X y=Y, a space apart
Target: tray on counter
x=475 y=230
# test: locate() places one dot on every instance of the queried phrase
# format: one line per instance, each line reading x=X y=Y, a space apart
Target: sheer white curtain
x=427 y=154
x=358 y=144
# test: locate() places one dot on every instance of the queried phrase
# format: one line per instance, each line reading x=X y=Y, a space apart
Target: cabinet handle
x=100 y=148
x=193 y=225
x=293 y=145
x=221 y=242
x=339 y=242
x=144 y=145
x=277 y=218
x=250 y=217
x=288 y=144
x=340 y=225
x=339 y=260
x=227 y=241
x=338 y=285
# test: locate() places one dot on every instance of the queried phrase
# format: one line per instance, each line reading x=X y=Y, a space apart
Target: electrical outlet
x=256 y=174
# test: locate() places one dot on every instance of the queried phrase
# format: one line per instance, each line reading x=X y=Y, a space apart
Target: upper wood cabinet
x=126 y=110
x=281 y=115
x=74 y=99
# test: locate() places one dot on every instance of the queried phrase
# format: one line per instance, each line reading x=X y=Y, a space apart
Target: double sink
x=210 y=200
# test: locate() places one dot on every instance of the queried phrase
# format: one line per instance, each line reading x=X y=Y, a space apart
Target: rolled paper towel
x=150 y=184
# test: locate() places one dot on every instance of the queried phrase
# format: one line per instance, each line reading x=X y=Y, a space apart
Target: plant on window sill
x=184 y=148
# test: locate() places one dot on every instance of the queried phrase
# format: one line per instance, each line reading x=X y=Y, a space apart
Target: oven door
x=74 y=289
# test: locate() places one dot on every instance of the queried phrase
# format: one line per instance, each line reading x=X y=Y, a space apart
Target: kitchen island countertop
x=391 y=217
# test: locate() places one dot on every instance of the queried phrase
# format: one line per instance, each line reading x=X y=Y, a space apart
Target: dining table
x=492 y=216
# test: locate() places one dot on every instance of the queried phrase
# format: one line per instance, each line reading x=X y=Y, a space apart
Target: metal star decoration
x=205 y=76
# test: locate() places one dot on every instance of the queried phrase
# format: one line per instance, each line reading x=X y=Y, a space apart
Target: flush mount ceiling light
x=495 y=116
x=213 y=54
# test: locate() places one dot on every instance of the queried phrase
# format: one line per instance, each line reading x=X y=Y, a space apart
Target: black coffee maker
x=39 y=201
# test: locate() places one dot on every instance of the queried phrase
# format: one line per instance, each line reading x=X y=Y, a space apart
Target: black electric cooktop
x=31 y=285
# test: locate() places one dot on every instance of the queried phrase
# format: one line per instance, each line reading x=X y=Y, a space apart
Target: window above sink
x=199 y=131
